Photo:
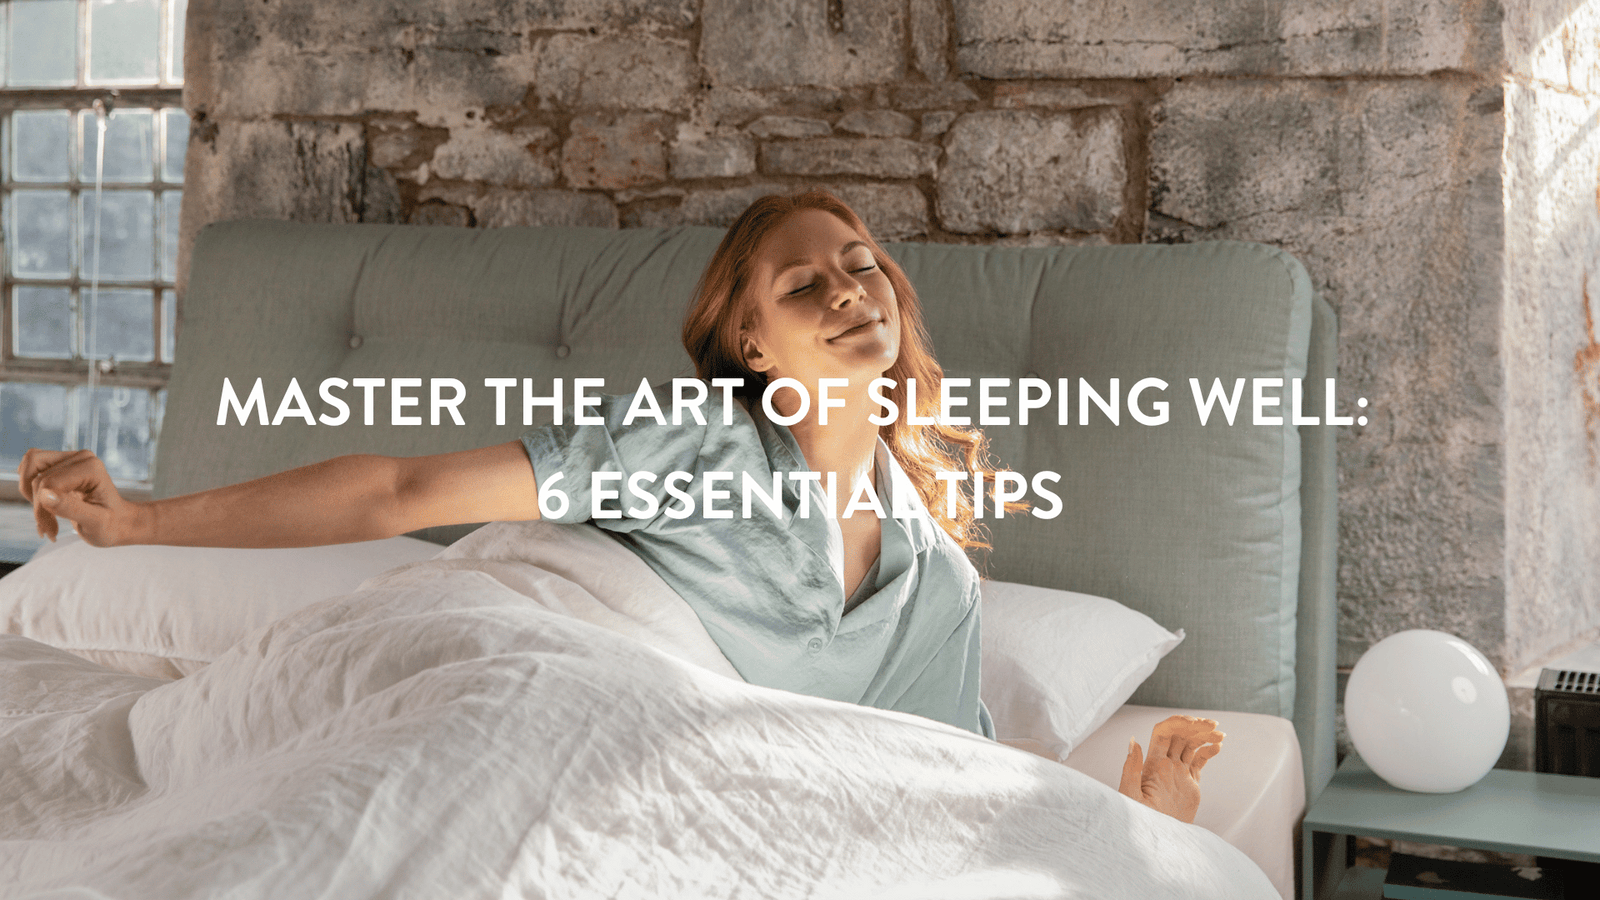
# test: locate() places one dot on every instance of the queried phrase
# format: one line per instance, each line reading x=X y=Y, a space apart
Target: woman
x=850 y=606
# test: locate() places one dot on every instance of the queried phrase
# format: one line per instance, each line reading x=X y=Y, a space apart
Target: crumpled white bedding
x=479 y=726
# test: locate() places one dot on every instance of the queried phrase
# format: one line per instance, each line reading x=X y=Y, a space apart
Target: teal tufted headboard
x=1225 y=531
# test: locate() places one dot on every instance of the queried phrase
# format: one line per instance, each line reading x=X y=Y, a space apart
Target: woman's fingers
x=1161 y=736
x=1186 y=724
x=1182 y=738
x=1173 y=735
x=1132 y=781
x=1201 y=756
x=43 y=520
x=32 y=480
x=74 y=486
x=35 y=462
x=75 y=507
x=1160 y=741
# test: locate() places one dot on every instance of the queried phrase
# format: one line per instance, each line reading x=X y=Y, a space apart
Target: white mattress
x=1252 y=794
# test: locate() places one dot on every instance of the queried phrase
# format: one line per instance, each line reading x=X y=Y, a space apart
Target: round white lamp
x=1427 y=712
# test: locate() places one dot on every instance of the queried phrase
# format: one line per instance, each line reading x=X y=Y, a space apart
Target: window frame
x=162 y=94
x=73 y=371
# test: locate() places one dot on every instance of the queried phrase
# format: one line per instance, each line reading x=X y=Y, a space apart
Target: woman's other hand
x=1169 y=779
x=74 y=485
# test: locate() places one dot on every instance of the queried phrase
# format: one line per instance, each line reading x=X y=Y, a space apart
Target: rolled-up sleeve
x=612 y=446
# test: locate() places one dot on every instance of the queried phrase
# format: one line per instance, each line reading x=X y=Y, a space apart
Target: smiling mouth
x=856 y=328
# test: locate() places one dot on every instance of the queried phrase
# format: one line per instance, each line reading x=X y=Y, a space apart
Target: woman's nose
x=843 y=289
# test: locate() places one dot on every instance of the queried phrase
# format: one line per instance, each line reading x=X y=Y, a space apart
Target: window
x=90 y=227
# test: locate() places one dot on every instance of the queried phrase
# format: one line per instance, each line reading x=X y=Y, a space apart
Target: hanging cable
x=103 y=107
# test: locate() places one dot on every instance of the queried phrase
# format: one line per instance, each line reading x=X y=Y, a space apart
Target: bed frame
x=1226 y=531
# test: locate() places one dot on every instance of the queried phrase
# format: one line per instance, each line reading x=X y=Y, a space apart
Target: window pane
x=169 y=326
x=180 y=9
x=119 y=421
x=31 y=415
x=44 y=43
x=44 y=321
x=124 y=324
x=177 y=144
x=42 y=145
x=41 y=242
x=155 y=431
x=122 y=40
x=171 y=203
x=127 y=235
x=130 y=140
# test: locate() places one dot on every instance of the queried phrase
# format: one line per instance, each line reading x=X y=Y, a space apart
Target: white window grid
x=119 y=380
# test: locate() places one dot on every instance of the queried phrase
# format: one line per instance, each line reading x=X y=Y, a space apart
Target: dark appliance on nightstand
x=1566 y=740
x=1566 y=722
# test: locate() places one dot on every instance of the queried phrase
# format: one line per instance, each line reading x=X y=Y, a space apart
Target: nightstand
x=1510 y=812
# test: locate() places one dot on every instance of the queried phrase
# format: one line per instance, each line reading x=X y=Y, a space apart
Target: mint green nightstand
x=1511 y=812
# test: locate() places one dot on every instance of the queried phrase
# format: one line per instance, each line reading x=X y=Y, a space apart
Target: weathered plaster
x=1552 y=431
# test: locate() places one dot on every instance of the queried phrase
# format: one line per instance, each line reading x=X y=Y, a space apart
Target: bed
x=532 y=716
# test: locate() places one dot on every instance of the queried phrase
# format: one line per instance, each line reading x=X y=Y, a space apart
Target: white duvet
x=531 y=715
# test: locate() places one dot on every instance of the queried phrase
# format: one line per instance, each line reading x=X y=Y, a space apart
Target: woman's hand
x=74 y=485
x=349 y=498
x=1169 y=779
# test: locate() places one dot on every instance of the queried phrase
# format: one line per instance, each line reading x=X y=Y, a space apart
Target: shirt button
x=355 y=342
x=815 y=646
x=563 y=351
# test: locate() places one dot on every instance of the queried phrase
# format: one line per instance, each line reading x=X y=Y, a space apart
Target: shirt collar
x=893 y=484
x=896 y=490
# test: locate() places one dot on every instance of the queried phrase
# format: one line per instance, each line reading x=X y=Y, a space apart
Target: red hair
x=721 y=312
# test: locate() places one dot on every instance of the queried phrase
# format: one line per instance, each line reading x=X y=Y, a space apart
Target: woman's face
x=823 y=308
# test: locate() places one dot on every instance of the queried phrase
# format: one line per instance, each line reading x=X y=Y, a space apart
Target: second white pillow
x=1057 y=664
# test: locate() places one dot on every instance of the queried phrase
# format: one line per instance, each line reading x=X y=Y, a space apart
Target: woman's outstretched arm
x=349 y=498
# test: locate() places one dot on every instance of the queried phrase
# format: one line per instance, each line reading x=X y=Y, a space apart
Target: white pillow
x=1057 y=664
x=169 y=611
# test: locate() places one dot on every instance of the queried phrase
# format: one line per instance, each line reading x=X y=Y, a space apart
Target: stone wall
x=1433 y=163
x=1550 y=335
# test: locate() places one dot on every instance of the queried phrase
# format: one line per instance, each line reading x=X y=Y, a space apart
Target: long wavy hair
x=722 y=311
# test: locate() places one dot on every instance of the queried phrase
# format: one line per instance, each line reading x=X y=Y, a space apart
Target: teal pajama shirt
x=768 y=588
